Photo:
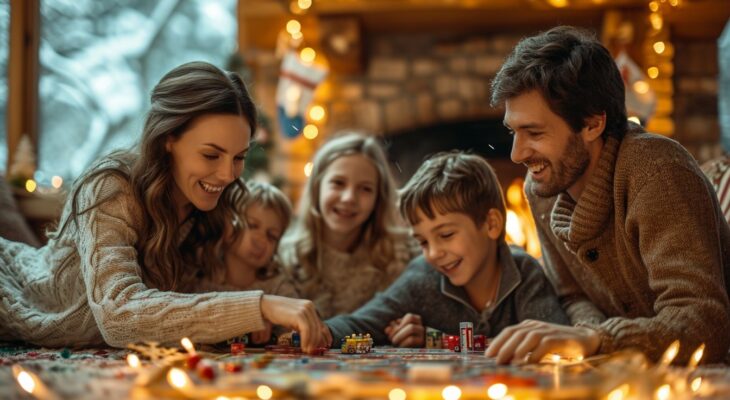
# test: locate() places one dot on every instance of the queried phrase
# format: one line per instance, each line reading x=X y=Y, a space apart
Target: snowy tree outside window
x=4 y=50
x=99 y=60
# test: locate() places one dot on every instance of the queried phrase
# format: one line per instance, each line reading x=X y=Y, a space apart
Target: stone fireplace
x=424 y=88
x=422 y=93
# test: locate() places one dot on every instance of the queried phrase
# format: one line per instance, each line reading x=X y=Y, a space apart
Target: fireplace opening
x=488 y=138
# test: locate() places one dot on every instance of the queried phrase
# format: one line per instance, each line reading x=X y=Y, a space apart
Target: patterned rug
x=68 y=373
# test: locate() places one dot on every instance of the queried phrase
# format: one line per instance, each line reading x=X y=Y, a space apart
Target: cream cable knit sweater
x=346 y=281
x=85 y=288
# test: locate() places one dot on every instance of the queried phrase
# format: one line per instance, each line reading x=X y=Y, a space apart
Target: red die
x=450 y=342
x=233 y=367
x=192 y=361
x=480 y=343
x=237 y=348
x=205 y=370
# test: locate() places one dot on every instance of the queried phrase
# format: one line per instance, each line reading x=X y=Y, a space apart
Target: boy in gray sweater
x=467 y=273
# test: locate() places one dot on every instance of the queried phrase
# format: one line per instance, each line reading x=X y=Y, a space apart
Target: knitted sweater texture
x=643 y=255
x=85 y=288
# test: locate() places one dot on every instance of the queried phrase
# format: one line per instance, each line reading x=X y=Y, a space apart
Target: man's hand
x=407 y=331
x=299 y=315
x=529 y=341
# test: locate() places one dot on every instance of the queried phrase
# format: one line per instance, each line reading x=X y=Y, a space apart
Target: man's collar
x=577 y=221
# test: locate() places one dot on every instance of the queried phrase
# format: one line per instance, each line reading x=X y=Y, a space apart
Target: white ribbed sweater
x=85 y=288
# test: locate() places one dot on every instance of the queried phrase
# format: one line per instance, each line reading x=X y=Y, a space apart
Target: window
x=4 y=53
x=99 y=60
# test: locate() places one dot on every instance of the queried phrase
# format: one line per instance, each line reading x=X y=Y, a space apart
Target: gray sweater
x=524 y=293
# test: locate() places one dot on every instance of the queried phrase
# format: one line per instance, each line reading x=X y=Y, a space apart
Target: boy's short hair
x=269 y=196
x=452 y=182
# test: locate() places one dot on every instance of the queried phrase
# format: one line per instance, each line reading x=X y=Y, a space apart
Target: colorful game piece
x=356 y=344
x=65 y=353
x=295 y=339
x=450 y=342
x=466 y=336
x=192 y=361
x=233 y=367
x=205 y=369
x=238 y=348
x=285 y=340
x=480 y=343
x=433 y=338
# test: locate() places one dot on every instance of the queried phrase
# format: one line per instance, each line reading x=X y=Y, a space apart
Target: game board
x=384 y=373
x=387 y=373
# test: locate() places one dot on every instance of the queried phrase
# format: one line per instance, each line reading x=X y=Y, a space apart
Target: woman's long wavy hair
x=307 y=236
x=183 y=94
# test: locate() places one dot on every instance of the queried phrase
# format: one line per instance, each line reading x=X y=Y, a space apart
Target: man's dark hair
x=573 y=71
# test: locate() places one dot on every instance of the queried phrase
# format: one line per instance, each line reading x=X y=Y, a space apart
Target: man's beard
x=572 y=165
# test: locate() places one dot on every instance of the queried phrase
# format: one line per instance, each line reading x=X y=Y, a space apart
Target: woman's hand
x=299 y=315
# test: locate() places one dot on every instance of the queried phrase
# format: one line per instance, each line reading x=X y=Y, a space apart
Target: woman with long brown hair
x=138 y=226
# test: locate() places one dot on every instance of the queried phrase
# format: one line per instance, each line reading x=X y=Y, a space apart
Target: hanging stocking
x=640 y=99
x=297 y=83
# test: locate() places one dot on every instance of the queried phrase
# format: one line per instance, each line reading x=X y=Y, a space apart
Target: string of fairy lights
x=658 y=54
x=316 y=114
x=657 y=50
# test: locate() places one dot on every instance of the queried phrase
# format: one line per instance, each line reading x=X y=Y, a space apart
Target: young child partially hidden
x=249 y=253
x=249 y=257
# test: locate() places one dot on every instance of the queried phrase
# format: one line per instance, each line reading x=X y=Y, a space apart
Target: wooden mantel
x=261 y=20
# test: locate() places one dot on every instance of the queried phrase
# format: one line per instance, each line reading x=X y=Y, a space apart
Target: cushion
x=718 y=171
x=12 y=224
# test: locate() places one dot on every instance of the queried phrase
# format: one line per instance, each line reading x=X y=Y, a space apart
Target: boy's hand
x=262 y=336
x=299 y=315
x=530 y=341
x=407 y=331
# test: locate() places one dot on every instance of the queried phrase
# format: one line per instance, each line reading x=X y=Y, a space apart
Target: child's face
x=454 y=245
x=256 y=247
x=347 y=193
x=208 y=157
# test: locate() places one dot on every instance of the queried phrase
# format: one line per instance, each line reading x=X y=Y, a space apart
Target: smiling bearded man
x=632 y=235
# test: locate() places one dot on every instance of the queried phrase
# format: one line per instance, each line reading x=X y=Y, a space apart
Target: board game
x=152 y=371
x=389 y=373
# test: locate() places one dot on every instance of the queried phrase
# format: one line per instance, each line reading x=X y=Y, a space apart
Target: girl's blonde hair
x=267 y=196
x=183 y=94
x=307 y=236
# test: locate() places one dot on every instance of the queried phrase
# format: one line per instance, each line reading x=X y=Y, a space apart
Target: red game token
x=233 y=367
x=205 y=370
x=192 y=361
x=237 y=348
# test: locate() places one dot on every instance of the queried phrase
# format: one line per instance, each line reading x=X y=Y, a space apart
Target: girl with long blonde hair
x=143 y=224
x=348 y=242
